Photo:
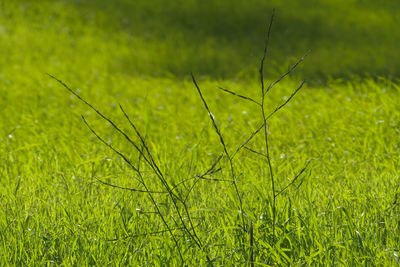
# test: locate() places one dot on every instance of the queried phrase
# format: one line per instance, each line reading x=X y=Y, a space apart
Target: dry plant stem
x=265 y=117
x=210 y=171
x=145 y=186
x=271 y=172
x=201 y=177
x=158 y=172
x=129 y=189
x=150 y=161
x=261 y=70
x=255 y=152
x=253 y=134
x=288 y=72
x=225 y=150
x=241 y=96
x=266 y=126
x=146 y=155
x=115 y=127
x=293 y=180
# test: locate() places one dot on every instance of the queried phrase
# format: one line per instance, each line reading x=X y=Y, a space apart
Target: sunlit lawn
x=343 y=210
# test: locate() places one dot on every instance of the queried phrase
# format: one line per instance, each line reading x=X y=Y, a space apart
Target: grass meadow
x=58 y=206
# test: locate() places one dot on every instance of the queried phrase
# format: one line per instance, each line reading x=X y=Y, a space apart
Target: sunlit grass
x=53 y=210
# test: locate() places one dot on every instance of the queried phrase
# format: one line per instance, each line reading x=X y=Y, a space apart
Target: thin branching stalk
x=290 y=70
x=145 y=153
x=261 y=69
x=144 y=184
x=148 y=158
x=241 y=96
x=173 y=197
x=179 y=199
x=293 y=180
x=129 y=189
x=253 y=134
x=192 y=231
x=225 y=150
x=255 y=152
x=264 y=126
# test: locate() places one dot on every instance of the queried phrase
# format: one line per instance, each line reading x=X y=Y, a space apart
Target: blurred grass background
x=140 y=53
x=219 y=39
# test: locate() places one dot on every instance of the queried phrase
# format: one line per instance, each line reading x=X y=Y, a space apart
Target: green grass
x=54 y=212
x=219 y=39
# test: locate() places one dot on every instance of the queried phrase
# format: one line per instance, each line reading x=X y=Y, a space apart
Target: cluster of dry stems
x=184 y=221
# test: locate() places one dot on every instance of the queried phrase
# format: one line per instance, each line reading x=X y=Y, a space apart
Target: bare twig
x=225 y=150
x=97 y=111
x=173 y=196
x=255 y=152
x=253 y=134
x=271 y=172
x=202 y=177
x=124 y=157
x=110 y=146
x=184 y=221
x=143 y=183
x=290 y=70
x=241 y=96
x=293 y=180
x=287 y=100
x=261 y=70
x=149 y=157
x=130 y=189
x=211 y=117
x=265 y=125
x=248 y=140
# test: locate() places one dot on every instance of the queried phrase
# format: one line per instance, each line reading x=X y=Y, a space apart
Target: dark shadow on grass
x=223 y=38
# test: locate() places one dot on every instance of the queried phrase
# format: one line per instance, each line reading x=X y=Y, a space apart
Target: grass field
x=342 y=210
